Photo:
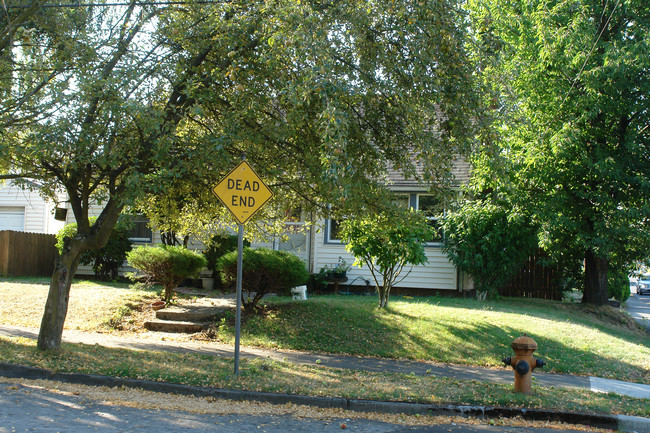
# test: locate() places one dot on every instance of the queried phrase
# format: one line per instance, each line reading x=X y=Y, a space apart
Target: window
x=433 y=208
x=12 y=218
x=333 y=231
x=402 y=201
x=140 y=230
x=294 y=238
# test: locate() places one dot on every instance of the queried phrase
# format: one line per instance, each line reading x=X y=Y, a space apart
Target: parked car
x=633 y=285
x=643 y=286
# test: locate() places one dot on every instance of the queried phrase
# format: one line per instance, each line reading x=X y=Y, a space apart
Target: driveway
x=639 y=308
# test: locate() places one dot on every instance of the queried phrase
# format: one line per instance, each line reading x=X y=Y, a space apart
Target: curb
x=613 y=422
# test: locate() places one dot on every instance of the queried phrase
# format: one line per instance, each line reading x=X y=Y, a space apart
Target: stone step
x=175 y=326
x=190 y=314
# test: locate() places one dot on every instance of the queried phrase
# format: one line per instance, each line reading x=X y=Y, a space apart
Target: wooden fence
x=27 y=254
x=534 y=281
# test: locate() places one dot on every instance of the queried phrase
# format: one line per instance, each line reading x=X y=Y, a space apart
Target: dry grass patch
x=266 y=375
x=137 y=398
x=93 y=306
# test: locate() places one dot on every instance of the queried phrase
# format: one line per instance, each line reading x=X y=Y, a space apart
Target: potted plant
x=207 y=283
x=341 y=269
x=327 y=273
x=317 y=283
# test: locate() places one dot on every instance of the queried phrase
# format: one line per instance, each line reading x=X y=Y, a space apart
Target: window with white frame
x=294 y=238
x=333 y=231
x=433 y=207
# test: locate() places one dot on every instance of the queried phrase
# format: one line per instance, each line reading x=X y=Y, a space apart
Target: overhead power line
x=593 y=46
x=146 y=3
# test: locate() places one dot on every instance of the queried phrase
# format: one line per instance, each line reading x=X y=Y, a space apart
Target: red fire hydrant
x=523 y=362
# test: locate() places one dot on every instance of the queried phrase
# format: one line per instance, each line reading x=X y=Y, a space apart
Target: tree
x=12 y=20
x=102 y=103
x=35 y=48
x=15 y=23
x=330 y=98
x=387 y=243
x=571 y=77
x=488 y=242
x=145 y=107
x=106 y=261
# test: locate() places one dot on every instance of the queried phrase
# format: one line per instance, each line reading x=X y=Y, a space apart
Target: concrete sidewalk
x=155 y=341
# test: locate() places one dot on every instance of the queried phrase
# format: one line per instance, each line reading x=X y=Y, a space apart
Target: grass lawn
x=571 y=338
x=265 y=375
x=93 y=306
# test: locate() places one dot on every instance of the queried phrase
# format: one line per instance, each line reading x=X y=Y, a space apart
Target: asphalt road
x=43 y=410
x=639 y=308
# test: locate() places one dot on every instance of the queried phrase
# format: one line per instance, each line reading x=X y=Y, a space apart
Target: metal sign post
x=240 y=266
x=243 y=193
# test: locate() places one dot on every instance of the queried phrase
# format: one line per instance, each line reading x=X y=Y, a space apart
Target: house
x=319 y=246
x=23 y=210
x=27 y=227
x=439 y=274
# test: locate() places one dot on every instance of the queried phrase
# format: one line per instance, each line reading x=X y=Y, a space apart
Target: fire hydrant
x=523 y=362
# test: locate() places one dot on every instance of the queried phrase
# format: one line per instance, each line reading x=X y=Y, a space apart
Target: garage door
x=12 y=218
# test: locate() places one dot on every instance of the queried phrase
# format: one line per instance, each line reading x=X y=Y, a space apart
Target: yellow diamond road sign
x=243 y=192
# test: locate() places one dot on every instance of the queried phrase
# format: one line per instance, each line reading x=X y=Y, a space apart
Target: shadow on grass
x=456 y=331
x=26 y=280
x=282 y=377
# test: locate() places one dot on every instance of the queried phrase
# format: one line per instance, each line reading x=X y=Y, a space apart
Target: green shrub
x=489 y=242
x=317 y=282
x=618 y=284
x=106 y=261
x=264 y=271
x=166 y=265
x=217 y=247
x=68 y=231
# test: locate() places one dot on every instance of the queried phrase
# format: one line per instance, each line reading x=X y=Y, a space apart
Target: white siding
x=39 y=213
x=438 y=274
x=12 y=218
x=96 y=210
x=297 y=244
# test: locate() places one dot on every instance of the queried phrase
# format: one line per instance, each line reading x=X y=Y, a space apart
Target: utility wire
x=146 y=3
x=593 y=47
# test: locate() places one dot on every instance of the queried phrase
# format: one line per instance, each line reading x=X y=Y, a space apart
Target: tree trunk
x=595 y=290
x=65 y=268
x=384 y=293
x=56 y=307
